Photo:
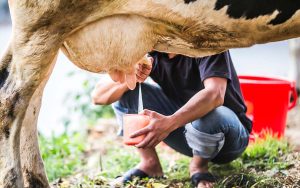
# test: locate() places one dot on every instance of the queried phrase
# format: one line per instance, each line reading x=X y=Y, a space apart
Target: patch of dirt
x=289 y=177
x=293 y=119
x=292 y=132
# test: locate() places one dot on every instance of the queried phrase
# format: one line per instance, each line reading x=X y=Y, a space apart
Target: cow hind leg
x=22 y=71
x=9 y=175
x=31 y=161
x=4 y=66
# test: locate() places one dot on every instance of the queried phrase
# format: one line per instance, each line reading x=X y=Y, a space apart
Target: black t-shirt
x=182 y=77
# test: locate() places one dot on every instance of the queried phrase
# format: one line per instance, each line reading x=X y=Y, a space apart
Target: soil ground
x=293 y=127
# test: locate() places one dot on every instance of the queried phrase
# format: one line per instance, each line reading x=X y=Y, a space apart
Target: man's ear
x=117 y=76
x=131 y=80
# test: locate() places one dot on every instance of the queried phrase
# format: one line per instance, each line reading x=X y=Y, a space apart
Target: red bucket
x=268 y=101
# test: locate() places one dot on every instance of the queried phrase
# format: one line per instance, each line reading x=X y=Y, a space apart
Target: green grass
x=265 y=154
x=62 y=154
x=117 y=161
x=261 y=156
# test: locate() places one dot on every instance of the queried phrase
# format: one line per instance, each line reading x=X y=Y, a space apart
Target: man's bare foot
x=151 y=166
x=200 y=165
x=205 y=184
x=150 y=163
x=148 y=167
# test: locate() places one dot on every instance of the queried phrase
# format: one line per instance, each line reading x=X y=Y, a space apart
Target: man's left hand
x=159 y=128
x=143 y=69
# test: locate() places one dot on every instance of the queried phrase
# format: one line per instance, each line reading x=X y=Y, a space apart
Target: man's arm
x=202 y=102
x=199 y=105
x=107 y=91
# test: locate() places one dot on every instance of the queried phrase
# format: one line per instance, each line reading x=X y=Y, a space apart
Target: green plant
x=266 y=153
x=62 y=154
x=117 y=161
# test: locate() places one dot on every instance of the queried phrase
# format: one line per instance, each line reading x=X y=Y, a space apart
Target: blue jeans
x=218 y=136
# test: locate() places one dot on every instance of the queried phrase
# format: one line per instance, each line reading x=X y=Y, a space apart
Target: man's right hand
x=143 y=69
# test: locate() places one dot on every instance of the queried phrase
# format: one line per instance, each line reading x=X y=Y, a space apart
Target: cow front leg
x=31 y=161
x=32 y=165
x=22 y=71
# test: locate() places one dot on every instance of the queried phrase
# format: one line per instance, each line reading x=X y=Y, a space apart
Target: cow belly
x=114 y=43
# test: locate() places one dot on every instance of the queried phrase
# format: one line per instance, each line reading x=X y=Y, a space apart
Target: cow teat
x=119 y=76
x=131 y=80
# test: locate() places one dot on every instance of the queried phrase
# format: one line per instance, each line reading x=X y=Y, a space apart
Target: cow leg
x=31 y=161
x=23 y=68
x=9 y=159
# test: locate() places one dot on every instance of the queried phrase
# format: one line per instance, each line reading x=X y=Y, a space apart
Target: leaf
x=65 y=184
x=156 y=185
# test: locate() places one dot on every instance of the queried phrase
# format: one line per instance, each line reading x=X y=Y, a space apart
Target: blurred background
x=67 y=108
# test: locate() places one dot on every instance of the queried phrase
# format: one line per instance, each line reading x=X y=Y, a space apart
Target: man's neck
x=171 y=56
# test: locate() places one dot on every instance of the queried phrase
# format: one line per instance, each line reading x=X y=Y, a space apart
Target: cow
x=110 y=36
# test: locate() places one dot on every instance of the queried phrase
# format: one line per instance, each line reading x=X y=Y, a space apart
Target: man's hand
x=159 y=128
x=143 y=69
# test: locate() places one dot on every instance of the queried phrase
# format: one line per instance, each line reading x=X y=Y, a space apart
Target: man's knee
x=206 y=136
x=216 y=121
x=204 y=144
